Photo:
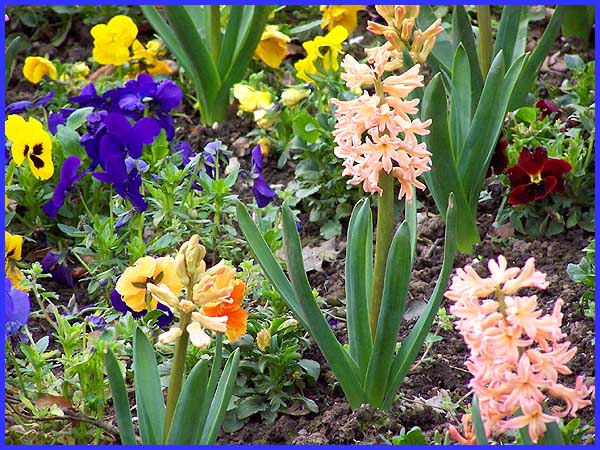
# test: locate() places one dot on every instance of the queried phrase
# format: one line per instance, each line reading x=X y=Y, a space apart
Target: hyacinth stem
x=385 y=228
x=486 y=47
x=177 y=370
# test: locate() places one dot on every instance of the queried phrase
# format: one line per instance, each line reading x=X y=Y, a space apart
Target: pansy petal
x=532 y=161
x=142 y=133
x=556 y=167
x=117 y=124
x=517 y=176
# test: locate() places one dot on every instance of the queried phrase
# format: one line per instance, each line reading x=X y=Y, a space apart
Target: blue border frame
x=292 y=2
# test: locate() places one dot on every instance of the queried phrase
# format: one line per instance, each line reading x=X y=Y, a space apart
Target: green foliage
x=215 y=61
x=585 y=273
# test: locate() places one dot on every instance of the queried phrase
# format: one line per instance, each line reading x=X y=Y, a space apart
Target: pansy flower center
x=536 y=178
x=36 y=152
x=153 y=279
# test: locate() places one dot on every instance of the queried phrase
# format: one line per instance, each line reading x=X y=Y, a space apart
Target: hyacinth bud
x=164 y=295
x=393 y=38
x=412 y=11
x=170 y=336
x=189 y=262
x=292 y=96
x=263 y=339
x=386 y=11
x=407 y=27
x=399 y=15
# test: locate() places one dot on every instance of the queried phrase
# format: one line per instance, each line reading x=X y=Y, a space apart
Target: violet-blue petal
x=16 y=308
x=43 y=101
x=49 y=261
x=142 y=133
x=168 y=95
x=166 y=318
x=18 y=107
x=121 y=306
x=262 y=192
x=257 y=159
x=118 y=125
x=68 y=177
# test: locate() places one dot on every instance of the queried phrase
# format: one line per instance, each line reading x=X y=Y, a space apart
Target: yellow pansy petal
x=123 y=29
x=13 y=245
x=14 y=127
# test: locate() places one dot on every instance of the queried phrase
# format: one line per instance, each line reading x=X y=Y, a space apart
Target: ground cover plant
x=335 y=224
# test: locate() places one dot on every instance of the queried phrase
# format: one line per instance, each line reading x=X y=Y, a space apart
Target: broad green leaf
x=221 y=399
x=78 y=117
x=215 y=374
x=486 y=126
x=413 y=343
x=478 y=423
x=229 y=43
x=393 y=302
x=185 y=426
x=148 y=392
x=578 y=21
x=443 y=177
x=534 y=61
x=17 y=44
x=460 y=98
x=508 y=30
x=462 y=32
x=341 y=363
x=120 y=399
x=269 y=265
x=553 y=435
x=410 y=215
x=359 y=268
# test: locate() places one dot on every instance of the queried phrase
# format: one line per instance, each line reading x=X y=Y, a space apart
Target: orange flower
x=231 y=308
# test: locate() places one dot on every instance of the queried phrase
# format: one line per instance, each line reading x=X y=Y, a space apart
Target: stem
x=177 y=371
x=214 y=32
x=13 y=359
x=385 y=227
x=486 y=48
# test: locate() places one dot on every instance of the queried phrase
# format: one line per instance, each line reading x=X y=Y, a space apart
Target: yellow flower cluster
x=112 y=42
x=323 y=51
x=258 y=102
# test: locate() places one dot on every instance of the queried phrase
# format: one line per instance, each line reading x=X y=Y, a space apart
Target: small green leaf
x=78 y=117
x=120 y=399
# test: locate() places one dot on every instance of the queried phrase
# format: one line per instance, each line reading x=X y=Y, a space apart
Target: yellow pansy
x=264 y=118
x=132 y=284
x=81 y=70
x=250 y=99
x=344 y=15
x=112 y=40
x=148 y=55
x=13 y=246
x=323 y=49
x=272 y=48
x=30 y=141
x=36 y=68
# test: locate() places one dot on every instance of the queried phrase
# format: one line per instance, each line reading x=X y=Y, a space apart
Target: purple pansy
x=121 y=306
x=260 y=188
x=16 y=308
x=58 y=118
x=68 y=177
x=61 y=273
x=19 y=107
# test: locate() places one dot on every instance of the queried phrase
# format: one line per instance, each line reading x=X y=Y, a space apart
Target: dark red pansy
x=499 y=159
x=547 y=108
x=535 y=176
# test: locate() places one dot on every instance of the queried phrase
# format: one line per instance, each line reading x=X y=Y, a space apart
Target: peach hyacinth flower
x=516 y=353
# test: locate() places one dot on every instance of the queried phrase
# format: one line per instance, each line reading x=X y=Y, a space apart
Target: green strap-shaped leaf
x=120 y=399
x=462 y=32
x=553 y=435
x=535 y=59
x=508 y=30
x=478 y=423
x=393 y=302
x=521 y=40
x=220 y=401
x=148 y=392
x=244 y=52
x=486 y=127
x=359 y=267
x=460 y=98
x=268 y=263
x=215 y=374
x=413 y=343
x=410 y=215
x=193 y=45
x=229 y=43
x=186 y=428
x=341 y=363
x=443 y=177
